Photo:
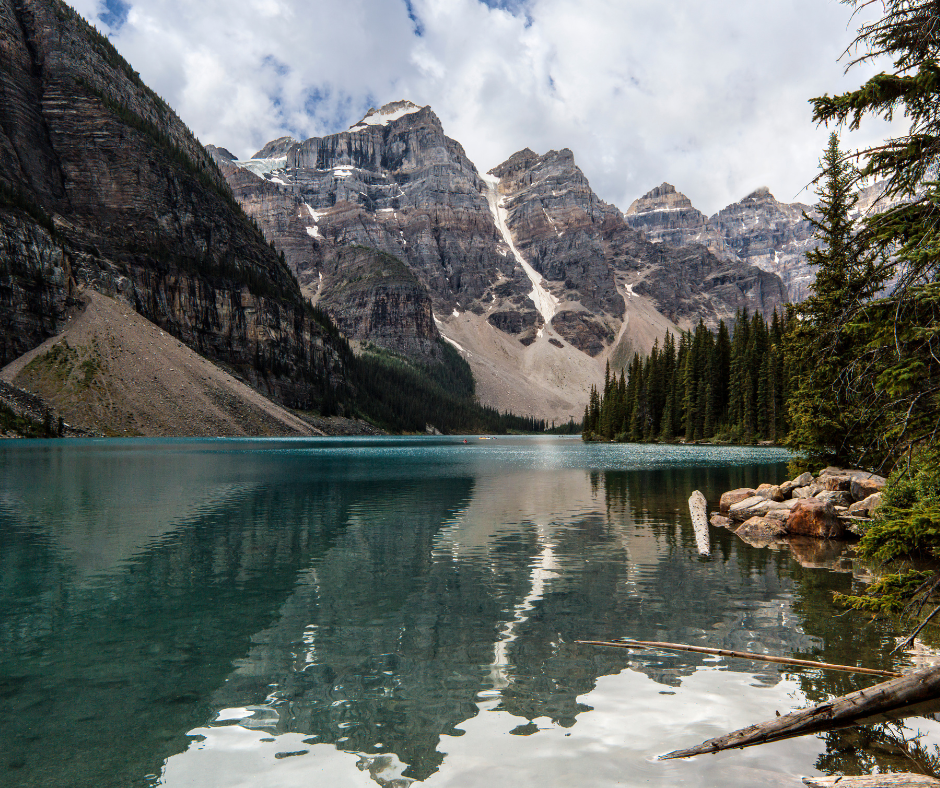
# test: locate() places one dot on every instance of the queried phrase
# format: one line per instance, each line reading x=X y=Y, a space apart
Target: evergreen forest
x=730 y=387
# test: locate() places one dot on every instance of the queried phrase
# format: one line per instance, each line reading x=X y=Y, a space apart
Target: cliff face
x=593 y=259
x=759 y=230
x=104 y=187
x=374 y=297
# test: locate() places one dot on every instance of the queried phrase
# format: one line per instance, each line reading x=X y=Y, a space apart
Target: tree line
x=727 y=386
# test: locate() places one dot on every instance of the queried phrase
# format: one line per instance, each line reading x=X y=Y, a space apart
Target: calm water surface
x=402 y=611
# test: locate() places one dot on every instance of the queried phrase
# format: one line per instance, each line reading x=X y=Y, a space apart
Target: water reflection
x=388 y=600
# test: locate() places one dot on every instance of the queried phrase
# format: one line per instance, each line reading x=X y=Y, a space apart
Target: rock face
x=666 y=216
x=372 y=296
x=104 y=187
x=526 y=268
x=758 y=230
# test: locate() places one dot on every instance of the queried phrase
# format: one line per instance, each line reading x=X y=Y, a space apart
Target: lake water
x=403 y=611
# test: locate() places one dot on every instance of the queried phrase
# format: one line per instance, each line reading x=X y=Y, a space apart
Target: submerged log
x=896 y=780
x=721 y=652
x=914 y=693
x=698 y=507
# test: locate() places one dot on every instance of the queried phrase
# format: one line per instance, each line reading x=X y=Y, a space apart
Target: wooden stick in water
x=806 y=663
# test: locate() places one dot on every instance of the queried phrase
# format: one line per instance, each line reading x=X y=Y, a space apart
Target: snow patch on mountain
x=386 y=114
x=544 y=301
x=262 y=167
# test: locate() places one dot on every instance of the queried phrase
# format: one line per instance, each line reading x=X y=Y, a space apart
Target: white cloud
x=710 y=96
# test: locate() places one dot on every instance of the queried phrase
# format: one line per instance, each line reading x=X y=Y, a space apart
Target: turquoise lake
x=404 y=611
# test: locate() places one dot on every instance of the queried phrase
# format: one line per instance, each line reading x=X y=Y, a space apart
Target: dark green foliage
x=711 y=386
x=400 y=395
x=12 y=424
x=827 y=406
x=11 y=197
x=890 y=396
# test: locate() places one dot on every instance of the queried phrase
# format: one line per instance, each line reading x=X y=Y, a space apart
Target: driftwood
x=897 y=780
x=804 y=663
x=698 y=507
x=913 y=693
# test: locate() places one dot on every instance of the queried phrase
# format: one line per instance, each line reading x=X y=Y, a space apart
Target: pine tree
x=821 y=407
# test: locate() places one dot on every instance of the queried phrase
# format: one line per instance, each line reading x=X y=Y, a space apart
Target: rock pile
x=828 y=506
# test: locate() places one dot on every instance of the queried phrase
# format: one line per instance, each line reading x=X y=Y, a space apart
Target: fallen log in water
x=720 y=652
x=912 y=692
x=698 y=508
x=899 y=780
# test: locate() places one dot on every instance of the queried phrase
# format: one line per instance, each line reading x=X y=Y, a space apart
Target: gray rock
x=761 y=529
x=867 y=505
x=864 y=485
x=835 y=497
x=757 y=506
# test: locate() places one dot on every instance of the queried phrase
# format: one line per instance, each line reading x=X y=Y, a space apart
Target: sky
x=711 y=96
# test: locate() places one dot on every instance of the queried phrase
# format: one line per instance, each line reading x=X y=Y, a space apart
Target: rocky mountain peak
x=275 y=148
x=220 y=153
x=519 y=161
x=760 y=194
x=386 y=114
x=663 y=197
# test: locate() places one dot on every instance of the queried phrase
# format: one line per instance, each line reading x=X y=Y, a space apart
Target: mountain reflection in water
x=209 y=612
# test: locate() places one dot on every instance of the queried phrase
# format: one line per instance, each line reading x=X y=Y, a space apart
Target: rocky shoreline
x=835 y=504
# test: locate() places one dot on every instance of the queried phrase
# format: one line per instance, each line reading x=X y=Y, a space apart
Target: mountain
x=103 y=188
x=530 y=275
x=758 y=230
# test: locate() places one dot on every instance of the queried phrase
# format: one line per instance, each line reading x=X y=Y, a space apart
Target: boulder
x=867 y=506
x=732 y=497
x=803 y=480
x=776 y=494
x=761 y=529
x=757 y=506
x=802 y=492
x=720 y=521
x=835 y=497
x=816 y=518
x=764 y=489
x=869 y=484
x=841 y=483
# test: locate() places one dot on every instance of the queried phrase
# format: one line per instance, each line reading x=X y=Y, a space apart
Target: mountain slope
x=104 y=187
x=113 y=372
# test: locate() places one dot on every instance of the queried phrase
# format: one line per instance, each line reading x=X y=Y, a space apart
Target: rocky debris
x=111 y=372
x=758 y=506
x=827 y=506
x=867 y=506
x=788 y=488
x=27 y=405
x=719 y=521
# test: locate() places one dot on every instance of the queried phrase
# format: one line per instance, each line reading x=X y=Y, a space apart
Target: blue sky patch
x=115 y=14
x=418 y=27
